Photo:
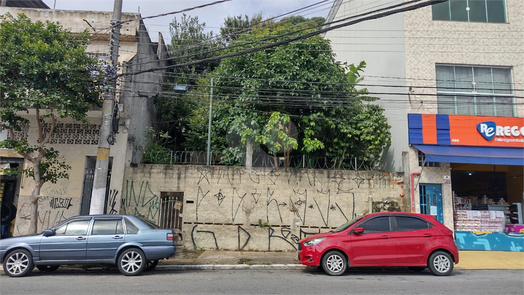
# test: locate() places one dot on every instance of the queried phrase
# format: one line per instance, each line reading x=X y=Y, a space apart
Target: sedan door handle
x=427 y=235
x=384 y=237
x=117 y=237
x=81 y=238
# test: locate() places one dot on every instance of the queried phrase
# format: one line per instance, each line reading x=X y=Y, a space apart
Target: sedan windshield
x=346 y=225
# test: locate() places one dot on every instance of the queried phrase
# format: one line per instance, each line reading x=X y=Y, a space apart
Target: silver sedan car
x=131 y=243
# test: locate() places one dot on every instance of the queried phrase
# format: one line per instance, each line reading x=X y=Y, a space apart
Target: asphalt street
x=309 y=281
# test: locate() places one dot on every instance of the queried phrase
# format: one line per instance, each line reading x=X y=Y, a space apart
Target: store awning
x=473 y=155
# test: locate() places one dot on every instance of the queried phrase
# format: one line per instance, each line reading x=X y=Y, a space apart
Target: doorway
x=431 y=200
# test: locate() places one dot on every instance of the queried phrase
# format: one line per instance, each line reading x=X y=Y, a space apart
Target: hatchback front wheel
x=334 y=263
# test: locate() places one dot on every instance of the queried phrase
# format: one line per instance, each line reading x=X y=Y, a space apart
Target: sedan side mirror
x=358 y=230
x=49 y=233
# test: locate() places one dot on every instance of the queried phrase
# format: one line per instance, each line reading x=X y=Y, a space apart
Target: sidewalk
x=222 y=259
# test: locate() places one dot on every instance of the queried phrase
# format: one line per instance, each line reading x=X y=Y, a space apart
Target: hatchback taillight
x=447 y=232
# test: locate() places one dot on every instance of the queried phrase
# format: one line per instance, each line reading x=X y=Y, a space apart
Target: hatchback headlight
x=314 y=241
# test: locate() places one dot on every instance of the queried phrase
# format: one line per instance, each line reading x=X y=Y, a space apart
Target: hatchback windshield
x=346 y=225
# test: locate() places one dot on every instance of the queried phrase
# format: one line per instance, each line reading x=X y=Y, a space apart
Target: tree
x=44 y=68
x=234 y=26
x=303 y=81
x=189 y=42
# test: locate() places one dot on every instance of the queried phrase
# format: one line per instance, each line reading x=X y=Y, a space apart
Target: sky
x=213 y=16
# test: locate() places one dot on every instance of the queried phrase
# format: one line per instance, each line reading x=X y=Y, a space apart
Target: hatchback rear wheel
x=334 y=263
x=18 y=263
x=440 y=263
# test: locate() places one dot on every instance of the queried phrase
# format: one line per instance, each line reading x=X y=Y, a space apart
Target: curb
x=231 y=266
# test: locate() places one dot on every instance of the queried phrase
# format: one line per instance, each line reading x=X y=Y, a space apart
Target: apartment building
x=451 y=79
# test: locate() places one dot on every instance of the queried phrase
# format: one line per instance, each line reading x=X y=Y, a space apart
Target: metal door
x=89 y=176
x=431 y=200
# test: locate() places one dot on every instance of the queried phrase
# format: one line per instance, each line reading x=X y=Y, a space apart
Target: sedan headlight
x=314 y=241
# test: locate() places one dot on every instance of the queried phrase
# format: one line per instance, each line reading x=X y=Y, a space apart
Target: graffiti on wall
x=51 y=210
x=222 y=204
x=141 y=201
x=113 y=209
x=205 y=237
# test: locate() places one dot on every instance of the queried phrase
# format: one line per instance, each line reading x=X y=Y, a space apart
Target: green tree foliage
x=301 y=81
x=234 y=26
x=189 y=42
x=43 y=69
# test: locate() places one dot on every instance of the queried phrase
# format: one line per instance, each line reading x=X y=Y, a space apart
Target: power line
x=304 y=36
x=320 y=31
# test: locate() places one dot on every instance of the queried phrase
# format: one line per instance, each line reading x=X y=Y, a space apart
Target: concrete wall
x=234 y=208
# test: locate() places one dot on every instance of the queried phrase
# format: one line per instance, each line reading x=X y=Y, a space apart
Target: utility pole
x=98 y=195
x=209 y=127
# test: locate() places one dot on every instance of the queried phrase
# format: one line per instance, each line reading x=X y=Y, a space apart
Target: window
x=376 y=225
x=491 y=11
x=405 y=223
x=107 y=227
x=479 y=91
x=130 y=227
x=73 y=228
x=422 y=161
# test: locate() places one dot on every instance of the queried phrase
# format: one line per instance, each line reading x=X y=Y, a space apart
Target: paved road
x=310 y=281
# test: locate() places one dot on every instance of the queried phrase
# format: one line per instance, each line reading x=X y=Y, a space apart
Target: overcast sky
x=213 y=16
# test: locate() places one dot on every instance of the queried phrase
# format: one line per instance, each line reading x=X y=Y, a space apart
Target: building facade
x=451 y=79
x=77 y=142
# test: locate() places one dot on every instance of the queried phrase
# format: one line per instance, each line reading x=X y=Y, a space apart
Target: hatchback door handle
x=81 y=238
x=384 y=237
x=427 y=235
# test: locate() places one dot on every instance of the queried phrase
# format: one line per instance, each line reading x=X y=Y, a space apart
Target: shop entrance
x=431 y=200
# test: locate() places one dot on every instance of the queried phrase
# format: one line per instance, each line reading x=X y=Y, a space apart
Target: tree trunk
x=33 y=221
x=275 y=159
x=249 y=155
x=35 y=195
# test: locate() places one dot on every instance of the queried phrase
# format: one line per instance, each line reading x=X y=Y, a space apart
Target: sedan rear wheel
x=18 y=263
x=440 y=263
x=334 y=263
x=131 y=262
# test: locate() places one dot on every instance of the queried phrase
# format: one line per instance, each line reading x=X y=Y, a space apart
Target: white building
x=77 y=143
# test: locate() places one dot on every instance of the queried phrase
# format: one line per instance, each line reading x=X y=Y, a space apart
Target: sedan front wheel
x=131 y=262
x=334 y=263
x=18 y=263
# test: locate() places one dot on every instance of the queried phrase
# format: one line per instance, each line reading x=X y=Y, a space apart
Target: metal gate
x=171 y=205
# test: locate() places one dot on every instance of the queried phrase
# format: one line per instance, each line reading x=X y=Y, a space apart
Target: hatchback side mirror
x=358 y=230
x=49 y=233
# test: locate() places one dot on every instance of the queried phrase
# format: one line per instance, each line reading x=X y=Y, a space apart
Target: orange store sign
x=486 y=131
x=446 y=130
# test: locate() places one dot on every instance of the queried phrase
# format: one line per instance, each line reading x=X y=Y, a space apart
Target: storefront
x=468 y=172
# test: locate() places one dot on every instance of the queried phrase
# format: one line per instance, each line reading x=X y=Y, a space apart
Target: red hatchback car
x=383 y=239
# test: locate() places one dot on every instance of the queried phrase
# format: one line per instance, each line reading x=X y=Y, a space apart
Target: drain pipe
x=412 y=176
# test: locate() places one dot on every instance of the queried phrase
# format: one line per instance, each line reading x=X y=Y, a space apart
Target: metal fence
x=264 y=160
